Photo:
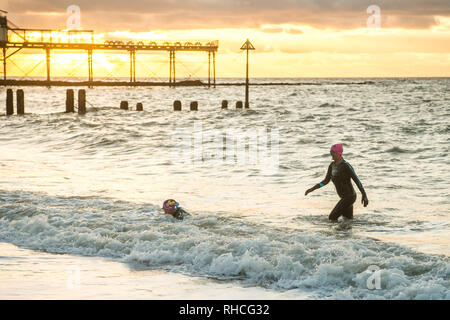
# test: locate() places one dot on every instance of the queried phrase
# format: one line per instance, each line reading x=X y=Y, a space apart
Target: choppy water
x=93 y=184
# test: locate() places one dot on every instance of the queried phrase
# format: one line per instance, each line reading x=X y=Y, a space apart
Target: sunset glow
x=286 y=49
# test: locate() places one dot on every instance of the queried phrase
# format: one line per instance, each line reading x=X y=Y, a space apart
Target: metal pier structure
x=47 y=42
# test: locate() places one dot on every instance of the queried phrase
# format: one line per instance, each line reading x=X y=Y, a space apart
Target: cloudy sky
x=293 y=38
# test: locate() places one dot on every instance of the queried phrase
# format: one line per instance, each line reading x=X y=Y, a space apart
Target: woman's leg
x=348 y=212
x=343 y=207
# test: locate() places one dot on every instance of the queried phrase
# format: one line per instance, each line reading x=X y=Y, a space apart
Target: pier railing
x=15 y=38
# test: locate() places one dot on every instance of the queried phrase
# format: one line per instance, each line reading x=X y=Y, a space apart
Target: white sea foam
x=222 y=247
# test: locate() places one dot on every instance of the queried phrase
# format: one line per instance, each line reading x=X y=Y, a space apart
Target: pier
x=65 y=40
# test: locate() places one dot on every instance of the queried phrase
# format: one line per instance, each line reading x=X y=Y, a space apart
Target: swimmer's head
x=170 y=206
x=336 y=152
x=337 y=148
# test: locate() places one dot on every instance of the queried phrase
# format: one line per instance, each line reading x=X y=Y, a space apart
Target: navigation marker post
x=247 y=46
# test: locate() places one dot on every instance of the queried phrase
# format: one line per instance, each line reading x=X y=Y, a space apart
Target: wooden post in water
x=124 y=105
x=238 y=104
x=81 y=101
x=194 y=106
x=9 y=102
x=224 y=104
x=139 y=107
x=177 y=105
x=70 y=101
x=20 y=101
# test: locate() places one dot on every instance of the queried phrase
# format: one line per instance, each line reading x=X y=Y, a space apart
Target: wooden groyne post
x=124 y=105
x=224 y=104
x=81 y=101
x=20 y=101
x=9 y=102
x=194 y=106
x=177 y=105
x=70 y=101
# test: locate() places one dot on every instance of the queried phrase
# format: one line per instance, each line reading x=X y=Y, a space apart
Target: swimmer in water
x=340 y=172
x=173 y=208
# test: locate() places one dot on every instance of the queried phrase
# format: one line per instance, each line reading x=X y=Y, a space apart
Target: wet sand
x=28 y=275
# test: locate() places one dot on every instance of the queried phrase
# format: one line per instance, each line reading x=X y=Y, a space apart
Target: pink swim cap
x=338 y=148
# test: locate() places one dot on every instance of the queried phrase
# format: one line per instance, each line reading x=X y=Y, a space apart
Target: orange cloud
x=321 y=38
x=144 y=15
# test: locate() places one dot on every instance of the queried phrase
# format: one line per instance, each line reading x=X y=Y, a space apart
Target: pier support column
x=131 y=71
x=47 y=54
x=139 y=106
x=172 y=67
x=214 y=68
x=4 y=65
x=209 y=69
x=132 y=66
x=90 y=68
x=20 y=101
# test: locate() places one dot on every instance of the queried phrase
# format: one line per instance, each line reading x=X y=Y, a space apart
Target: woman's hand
x=365 y=201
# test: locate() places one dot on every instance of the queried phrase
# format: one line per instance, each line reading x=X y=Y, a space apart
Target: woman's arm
x=322 y=183
x=355 y=178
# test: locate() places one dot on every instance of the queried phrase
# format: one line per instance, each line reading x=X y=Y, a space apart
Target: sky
x=293 y=38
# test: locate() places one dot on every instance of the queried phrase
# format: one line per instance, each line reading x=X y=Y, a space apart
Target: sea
x=81 y=195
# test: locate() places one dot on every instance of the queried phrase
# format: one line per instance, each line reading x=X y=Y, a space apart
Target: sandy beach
x=30 y=275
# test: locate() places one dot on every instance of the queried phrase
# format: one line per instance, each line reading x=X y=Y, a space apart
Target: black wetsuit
x=180 y=214
x=340 y=174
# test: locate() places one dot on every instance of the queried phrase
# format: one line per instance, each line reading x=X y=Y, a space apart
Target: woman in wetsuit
x=173 y=208
x=340 y=172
